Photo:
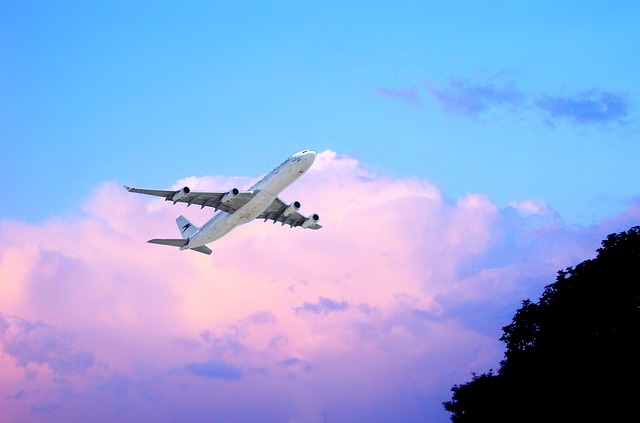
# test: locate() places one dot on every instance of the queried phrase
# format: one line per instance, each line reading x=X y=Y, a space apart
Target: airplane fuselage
x=267 y=189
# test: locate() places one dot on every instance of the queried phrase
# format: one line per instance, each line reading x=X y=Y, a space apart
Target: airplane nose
x=310 y=157
x=307 y=157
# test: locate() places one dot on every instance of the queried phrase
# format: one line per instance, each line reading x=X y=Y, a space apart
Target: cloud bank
x=374 y=318
x=486 y=92
x=592 y=106
x=472 y=96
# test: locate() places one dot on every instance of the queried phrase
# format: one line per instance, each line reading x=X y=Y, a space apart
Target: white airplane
x=237 y=207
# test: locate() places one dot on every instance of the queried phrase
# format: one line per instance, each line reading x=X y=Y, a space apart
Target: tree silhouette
x=574 y=354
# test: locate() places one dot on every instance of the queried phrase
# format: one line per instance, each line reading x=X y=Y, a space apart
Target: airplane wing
x=235 y=198
x=275 y=212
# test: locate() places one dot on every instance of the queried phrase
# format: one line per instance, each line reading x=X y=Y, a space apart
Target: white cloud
x=401 y=295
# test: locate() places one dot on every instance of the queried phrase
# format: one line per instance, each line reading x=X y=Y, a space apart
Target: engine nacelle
x=291 y=208
x=180 y=194
x=230 y=195
x=311 y=220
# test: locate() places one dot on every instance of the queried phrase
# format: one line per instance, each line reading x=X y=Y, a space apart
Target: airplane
x=235 y=207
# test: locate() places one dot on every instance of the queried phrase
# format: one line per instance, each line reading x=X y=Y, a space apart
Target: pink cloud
x=401 y=295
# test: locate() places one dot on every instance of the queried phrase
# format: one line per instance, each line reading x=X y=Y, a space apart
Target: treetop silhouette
x=572 y=355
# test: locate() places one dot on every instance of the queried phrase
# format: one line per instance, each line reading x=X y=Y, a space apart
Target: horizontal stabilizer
x=202 y=249
x=172 y=242
x=180 y=243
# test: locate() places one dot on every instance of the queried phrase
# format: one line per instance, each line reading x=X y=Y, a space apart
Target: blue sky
x=534 y=100
x=467 y=152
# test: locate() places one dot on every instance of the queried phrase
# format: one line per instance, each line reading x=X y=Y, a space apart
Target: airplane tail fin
x=187 y=228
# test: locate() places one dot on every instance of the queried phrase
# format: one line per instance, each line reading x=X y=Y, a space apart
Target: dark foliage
x=574 y=354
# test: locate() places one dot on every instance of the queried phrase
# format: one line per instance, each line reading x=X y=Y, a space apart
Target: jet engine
x=311 y=220
x=230 y=195
x=180 y=194
x=291 y=208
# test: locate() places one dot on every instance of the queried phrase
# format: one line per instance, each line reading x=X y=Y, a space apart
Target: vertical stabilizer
x=187 y=229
